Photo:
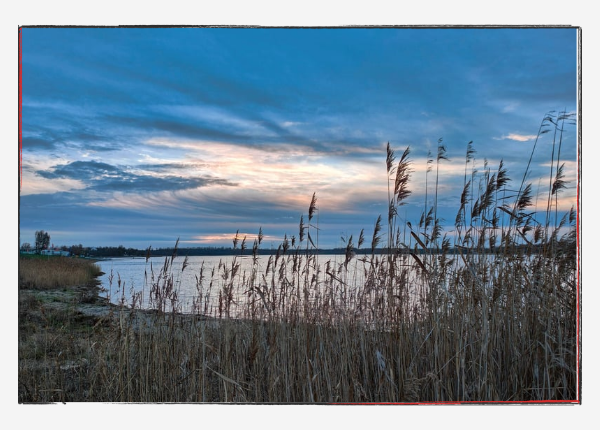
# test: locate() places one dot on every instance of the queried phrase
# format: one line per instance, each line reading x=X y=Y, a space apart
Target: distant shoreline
x=230 y=252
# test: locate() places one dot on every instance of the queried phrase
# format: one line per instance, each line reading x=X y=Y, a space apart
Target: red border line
x=467 y=402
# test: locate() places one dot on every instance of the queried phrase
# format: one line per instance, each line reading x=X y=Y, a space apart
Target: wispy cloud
x=517 y=137
x=510 y=107
x=100 y=176
x=227 y=239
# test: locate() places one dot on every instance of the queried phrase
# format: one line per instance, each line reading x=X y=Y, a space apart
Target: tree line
x=42 y=242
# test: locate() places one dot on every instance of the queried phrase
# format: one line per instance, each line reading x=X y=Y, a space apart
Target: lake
x=130 y=280
x=236 y=286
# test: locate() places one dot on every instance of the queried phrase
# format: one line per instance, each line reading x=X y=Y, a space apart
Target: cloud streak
x=517 y=137
x=105 y=177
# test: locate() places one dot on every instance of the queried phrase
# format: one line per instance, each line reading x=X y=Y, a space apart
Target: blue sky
x=137 y=137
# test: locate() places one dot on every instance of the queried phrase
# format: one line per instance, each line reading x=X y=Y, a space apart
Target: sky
x=142 y=136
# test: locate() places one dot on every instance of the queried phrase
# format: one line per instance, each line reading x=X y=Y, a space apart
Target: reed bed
x=41 y=272
x=488 y=313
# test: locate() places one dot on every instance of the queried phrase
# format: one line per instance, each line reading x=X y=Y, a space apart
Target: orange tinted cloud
x=517 y=137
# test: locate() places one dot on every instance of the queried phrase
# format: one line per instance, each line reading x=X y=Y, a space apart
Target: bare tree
x=42 y=240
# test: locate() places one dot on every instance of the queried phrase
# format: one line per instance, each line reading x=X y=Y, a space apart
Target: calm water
x=126 y=278
x=134 y=276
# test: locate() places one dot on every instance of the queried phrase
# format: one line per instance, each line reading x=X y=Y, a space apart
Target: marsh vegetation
x=487 y=313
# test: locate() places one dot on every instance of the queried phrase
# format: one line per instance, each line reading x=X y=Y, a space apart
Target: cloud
x=227 y=238
x=517 y=137
x=80 y=170
x=510 y=107
x=35 y=143
x=287 y=124
x=105 y=177
x=160 y=167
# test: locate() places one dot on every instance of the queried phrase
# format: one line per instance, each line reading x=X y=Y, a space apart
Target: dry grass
x=42 y=272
